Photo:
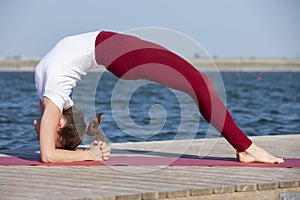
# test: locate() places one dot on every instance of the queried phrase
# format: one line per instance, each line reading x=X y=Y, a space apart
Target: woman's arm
x=48 y=130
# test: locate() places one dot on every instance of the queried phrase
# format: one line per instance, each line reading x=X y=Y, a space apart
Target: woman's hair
x=73 y=131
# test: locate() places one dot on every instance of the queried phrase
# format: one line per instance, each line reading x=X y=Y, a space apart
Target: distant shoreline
x=203 y=64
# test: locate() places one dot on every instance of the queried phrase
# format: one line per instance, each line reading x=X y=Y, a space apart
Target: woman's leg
x=128 y=57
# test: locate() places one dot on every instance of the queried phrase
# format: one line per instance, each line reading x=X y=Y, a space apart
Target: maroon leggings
x=131 y=58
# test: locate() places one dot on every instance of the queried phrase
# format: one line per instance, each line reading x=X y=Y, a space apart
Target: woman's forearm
x=61 y=155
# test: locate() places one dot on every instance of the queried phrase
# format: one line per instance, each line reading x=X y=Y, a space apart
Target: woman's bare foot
x=257 y=154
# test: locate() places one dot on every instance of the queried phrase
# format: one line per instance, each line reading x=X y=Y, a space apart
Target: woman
x=131 y=58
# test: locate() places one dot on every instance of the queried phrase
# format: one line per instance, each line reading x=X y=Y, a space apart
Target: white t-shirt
x=57 y=73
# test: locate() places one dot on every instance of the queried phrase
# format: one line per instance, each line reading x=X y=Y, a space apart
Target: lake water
x=261 y=104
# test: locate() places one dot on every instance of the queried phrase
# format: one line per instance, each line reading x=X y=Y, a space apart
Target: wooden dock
x=159 y=182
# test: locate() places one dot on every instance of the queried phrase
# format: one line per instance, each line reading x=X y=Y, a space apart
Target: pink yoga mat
x=150 y=161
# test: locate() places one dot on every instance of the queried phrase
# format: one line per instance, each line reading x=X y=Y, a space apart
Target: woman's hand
x=99 y=150
x=105 y=151
x=37 y=125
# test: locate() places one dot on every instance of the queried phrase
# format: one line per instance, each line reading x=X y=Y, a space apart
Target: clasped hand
x=99 y=150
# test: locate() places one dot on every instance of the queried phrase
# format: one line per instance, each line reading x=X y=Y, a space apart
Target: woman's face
x=59 y=142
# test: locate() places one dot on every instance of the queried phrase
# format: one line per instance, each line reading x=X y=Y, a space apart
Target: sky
x=224 y=28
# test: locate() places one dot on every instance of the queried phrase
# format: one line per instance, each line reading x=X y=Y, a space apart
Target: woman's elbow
x=47 y=157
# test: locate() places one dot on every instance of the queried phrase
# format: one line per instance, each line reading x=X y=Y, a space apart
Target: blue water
x=261 y=104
